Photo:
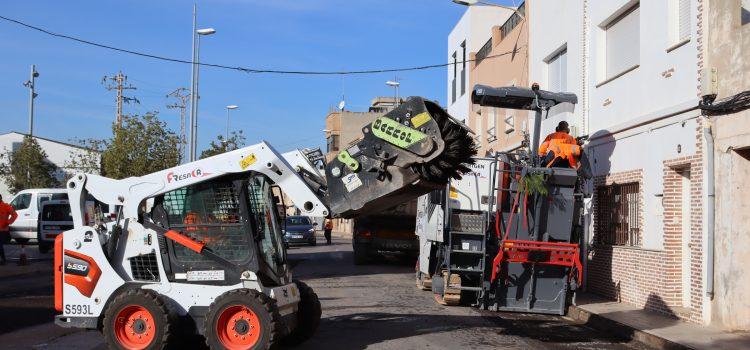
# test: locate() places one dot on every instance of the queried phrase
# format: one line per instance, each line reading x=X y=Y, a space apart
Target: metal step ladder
x=466 y=248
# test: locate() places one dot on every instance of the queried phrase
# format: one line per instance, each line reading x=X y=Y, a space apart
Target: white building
x=58 y=153
x=469 y=34
x=634 y=66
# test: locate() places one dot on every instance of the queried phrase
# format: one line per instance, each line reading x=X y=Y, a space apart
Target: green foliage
x=534 y=184
x=27 y=167
x=236 y=140
x=89 y=160
x=142 y=145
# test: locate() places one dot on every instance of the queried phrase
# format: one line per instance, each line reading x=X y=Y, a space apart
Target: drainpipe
x=711 y=208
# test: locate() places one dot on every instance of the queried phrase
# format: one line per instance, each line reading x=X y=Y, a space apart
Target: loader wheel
x=138 y=319
x=308 y=316
x=361 y=255
x=242 y=319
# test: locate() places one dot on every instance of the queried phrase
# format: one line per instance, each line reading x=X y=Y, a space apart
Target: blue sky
x=287 y=111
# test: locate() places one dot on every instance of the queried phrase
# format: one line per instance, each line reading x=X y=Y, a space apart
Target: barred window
x=618 y=215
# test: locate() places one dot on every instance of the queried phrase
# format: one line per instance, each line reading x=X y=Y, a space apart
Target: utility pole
x=32 y=95
x=119 y=83
x=182 y=95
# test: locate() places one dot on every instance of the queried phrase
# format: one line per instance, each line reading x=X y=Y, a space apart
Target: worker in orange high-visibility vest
x=559 y=148
x=7 y=217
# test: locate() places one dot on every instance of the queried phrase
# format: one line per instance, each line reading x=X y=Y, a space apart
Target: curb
x=622 y=330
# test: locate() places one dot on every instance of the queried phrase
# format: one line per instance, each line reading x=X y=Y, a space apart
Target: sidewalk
x=651 y=328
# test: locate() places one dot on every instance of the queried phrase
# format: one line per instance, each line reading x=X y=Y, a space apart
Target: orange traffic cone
x=23 y=259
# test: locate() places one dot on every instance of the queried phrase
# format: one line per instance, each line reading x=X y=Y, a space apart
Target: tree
x=142 y=145
x=219 y=146
x=28 y=167
x=88 y=160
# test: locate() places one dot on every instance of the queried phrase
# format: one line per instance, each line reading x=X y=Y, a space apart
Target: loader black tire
x=261 y=329
x=361 y=255
x=153 y=320
x=308 y=316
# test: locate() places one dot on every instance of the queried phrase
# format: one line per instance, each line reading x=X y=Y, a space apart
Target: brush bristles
x=458 y=152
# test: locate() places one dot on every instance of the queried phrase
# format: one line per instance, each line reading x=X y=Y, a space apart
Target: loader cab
x=236 y=216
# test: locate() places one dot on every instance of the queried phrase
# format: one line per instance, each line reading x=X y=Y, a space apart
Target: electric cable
x=245 y=69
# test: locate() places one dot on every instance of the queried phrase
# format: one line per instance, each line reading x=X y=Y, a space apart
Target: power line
x=245 y=69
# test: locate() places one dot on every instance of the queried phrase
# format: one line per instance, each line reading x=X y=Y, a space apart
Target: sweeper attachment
x=198 y=249
x=403 y=154
x=507 y=235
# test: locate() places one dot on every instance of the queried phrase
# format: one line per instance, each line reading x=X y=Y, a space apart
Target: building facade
x=469 y=35
x=634 y=66
x=58 y=153
x=726 y=72
x=503 y=60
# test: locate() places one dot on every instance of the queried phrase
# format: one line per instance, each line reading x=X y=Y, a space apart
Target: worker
x=7 y=217
x=327 y=228
x=559 y=149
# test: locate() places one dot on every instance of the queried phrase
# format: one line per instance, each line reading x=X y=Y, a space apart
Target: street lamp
x=197 y=33
x=477 y=2
x=230 y=107
x=395 y=85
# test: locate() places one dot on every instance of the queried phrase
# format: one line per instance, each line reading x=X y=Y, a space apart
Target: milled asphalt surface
x=374 y=306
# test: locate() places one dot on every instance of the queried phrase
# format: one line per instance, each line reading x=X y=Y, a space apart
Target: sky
x=287 y=111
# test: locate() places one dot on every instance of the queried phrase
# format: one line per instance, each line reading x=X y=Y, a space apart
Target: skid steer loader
x=197 y=249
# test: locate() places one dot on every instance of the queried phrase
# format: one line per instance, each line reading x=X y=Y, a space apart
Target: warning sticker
x=206 y=275
x=248 y=161
x=420 y=119
x=351 y=182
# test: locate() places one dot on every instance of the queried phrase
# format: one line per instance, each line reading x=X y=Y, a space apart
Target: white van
x=54 y=219
x=27 y=204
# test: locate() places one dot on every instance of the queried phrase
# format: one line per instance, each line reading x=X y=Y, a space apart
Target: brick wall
x=652 y=279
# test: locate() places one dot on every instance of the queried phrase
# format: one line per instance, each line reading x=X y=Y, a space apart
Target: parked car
x=299 y=230
x=54 y=218
x=27 y=204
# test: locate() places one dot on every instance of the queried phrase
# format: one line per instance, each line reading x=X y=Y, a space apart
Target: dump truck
x=507 y=236
x=197 y=249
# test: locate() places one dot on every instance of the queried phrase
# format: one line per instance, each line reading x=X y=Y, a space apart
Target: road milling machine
x=507 y=235
x=197 y=249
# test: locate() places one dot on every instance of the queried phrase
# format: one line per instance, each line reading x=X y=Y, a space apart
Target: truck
x=388 y=231
x=507 y=236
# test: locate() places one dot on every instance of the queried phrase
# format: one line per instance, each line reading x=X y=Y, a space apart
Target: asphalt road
x=364 y=307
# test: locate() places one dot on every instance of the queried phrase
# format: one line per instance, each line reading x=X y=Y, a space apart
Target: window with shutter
x=679 y=21
x=623 y=42
x=557 y=71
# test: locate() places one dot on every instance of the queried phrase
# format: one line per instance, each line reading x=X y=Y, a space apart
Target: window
x=265 y=219
x=453 y=82
x=56 y=212
x=463 y=68
x=298 y=220
x=512 y=22
x=679 y=21
x=483 y=52
x=622 y=42
x=618 y=215
x=557 y=72
x=21 y=202
x=332 y=143
x=209 y=212
x=492 y=127
x=510 y=123
x=745 y=12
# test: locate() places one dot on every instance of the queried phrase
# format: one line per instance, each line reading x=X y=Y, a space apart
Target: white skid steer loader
x=198 y=248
